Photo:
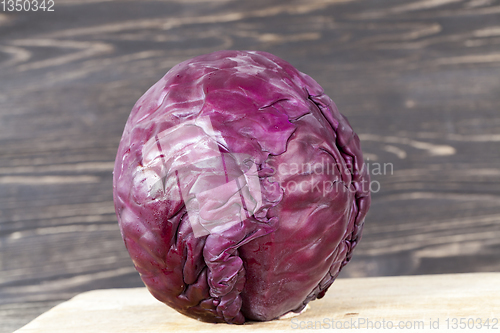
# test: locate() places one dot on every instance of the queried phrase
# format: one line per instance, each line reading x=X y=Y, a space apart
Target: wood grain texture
x=417 y=79
x=412 y=303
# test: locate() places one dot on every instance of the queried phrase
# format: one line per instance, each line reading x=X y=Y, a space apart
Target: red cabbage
x=239 y=188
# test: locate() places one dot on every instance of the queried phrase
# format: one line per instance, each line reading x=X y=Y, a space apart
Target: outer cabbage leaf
x=239 y=188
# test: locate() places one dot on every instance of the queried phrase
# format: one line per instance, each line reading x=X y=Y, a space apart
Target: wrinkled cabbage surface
x=239 y=188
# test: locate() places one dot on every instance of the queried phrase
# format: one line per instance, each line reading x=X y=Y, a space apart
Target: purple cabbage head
x=239 y=188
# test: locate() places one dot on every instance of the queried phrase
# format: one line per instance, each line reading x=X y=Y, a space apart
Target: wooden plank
x=414 y=303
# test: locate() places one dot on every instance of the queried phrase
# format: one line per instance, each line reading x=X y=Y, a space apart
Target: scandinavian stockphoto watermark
x=333 y=173
x=222 y=189
x=189 y=163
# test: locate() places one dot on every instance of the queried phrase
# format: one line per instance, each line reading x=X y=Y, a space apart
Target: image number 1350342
x=27 y=5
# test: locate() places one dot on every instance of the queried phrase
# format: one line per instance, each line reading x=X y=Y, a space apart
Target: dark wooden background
x=419 y=81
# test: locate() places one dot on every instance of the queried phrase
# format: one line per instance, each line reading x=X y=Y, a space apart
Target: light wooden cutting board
x=426 y=303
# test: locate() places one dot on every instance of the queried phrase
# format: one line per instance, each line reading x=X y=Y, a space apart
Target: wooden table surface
x=420 y=303
x=419 y=81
